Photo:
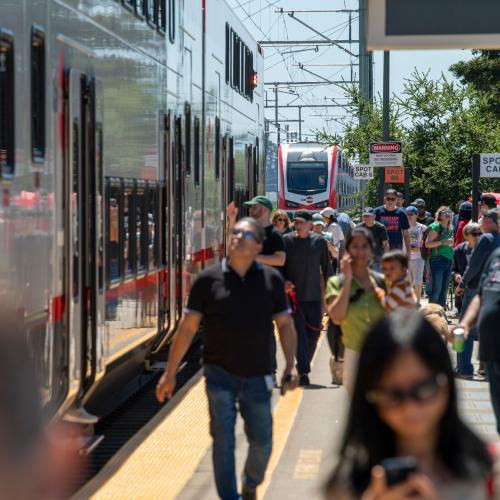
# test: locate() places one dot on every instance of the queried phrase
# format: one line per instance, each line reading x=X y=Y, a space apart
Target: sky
x=330 y=62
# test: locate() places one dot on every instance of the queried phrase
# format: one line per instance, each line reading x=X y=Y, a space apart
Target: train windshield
x=309 y=177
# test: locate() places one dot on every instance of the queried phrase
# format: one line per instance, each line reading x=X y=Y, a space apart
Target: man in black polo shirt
x=307 y=268
x=238 y=300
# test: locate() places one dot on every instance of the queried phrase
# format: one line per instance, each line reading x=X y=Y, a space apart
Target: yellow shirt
x=361 y=314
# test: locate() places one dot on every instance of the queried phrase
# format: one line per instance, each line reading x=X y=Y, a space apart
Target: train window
x=149 y=11
x=187 y=132
x=141 y=226
x=171 y=20
x=128 y=233
x=236 y=62
x=228 y=53
x=113 y=253
x=140 y=8
x=256 y=160
x=242 y=67
x=130 y=4
x=217 y=148
x=37 y=94
x=7 y=116
x=161 y=15
x=197 y=160
x=152 y=226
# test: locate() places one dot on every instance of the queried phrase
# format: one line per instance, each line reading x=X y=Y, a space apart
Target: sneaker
x=464 y=376
x=304 y=380
x=336 y=371
x=248 y=494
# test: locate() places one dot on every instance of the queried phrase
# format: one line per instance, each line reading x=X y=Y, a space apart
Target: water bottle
x=458 y=339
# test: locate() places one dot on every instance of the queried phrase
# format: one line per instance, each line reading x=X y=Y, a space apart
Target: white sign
x=489 y=165
x=386 y=154
x=363 y=172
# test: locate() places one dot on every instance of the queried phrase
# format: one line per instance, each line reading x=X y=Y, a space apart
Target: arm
x=432 y=240
x=288 y=339
x=277 y=259
x=386 y=245
x=232 y=213
x=406 y=237
x=338 y=306
x=186 y=330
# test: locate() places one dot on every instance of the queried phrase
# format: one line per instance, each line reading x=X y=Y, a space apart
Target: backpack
x=424 y=251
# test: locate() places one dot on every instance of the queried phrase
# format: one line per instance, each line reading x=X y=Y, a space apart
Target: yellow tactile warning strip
x=159 y=460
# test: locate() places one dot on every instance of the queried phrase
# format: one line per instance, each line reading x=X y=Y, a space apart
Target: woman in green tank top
x=440 y=242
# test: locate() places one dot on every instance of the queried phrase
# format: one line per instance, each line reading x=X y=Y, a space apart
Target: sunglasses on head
x=419 y=393
x=247 y=235
x=390 y=198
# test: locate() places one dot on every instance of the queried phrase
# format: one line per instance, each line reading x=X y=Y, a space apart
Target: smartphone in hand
x=398 y=469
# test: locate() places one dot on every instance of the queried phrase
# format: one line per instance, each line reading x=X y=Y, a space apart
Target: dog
x=436 y=316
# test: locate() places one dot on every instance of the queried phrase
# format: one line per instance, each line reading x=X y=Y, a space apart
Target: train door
x=83 y=232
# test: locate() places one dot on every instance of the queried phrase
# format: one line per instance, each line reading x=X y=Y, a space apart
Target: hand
x=450 y=242
x=165 y=387
x=232 y=211
x=416 y=486
x=457 y=278
x=289 y=286
x=293 y=382
x=459 y=291
x=345 y=266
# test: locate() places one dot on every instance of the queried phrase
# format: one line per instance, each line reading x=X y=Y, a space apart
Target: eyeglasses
x=390 y=198
x=247 y=235
x=446 y=213
x=419 y=393
x=280 y=219
x=479 y=233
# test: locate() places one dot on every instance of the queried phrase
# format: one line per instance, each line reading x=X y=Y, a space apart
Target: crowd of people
x=389 y=350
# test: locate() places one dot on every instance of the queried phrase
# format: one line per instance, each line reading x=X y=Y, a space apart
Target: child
x=400 y=292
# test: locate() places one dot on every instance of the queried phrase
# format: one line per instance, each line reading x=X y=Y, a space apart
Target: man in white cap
x=331 y=226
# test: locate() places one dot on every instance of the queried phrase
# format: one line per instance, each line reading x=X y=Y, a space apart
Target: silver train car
x=125 y=129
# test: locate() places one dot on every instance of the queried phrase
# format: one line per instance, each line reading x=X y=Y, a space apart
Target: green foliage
x=441 y=124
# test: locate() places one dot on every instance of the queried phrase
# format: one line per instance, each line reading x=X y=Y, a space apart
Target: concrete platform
x=171 y=457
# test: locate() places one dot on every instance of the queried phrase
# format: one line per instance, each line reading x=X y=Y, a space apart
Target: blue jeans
x=464 y=359
x=253 y=396
x=308 y=325
x=440 y=279
x=493 y=372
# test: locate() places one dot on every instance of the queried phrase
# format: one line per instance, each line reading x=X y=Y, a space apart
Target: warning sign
x=395 y=175
x=386 y=154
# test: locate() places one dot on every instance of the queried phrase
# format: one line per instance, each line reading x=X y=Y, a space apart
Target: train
x=126 y=127
x=313 y=176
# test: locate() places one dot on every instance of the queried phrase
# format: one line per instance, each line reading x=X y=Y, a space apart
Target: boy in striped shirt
x=400 y=291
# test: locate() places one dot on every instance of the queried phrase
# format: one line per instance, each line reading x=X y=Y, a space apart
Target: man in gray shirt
x=307 y=268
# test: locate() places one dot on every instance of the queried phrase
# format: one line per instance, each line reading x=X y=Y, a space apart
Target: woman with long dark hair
x=405 y=405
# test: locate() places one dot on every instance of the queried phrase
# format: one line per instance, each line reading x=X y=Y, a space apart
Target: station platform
x=170 y=458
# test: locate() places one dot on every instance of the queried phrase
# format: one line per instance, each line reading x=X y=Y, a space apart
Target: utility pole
x=276 y=122
x=300 y=123
x=386 y=123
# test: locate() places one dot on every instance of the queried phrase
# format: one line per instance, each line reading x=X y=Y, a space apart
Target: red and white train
x=126 y=127
x=312 y=176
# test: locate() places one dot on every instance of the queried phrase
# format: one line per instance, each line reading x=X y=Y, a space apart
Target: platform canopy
x=433 y=24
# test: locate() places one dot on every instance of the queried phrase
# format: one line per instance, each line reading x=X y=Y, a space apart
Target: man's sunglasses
x=419 y=393
x=280 y=219
x=390 y=198
x=247 y=235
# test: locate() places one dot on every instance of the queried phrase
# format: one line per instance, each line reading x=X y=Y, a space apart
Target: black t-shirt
x=238 y=314
x=273 y=242
x=489 y=314
x=306 y=258
x=379 y=233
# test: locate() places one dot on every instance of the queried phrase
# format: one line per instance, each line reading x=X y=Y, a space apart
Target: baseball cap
x=317 y=217
x=328 y=211
x=260 y=200
x=369 y=211
x=411 y=209
x=492 y=214
x=466 y=205
x=419 y=202
x=303 y=215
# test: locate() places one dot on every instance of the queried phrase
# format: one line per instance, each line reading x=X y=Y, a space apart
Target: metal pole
x=276 y=122
x=386 y=124
x=475 y=187
x=300 y=123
